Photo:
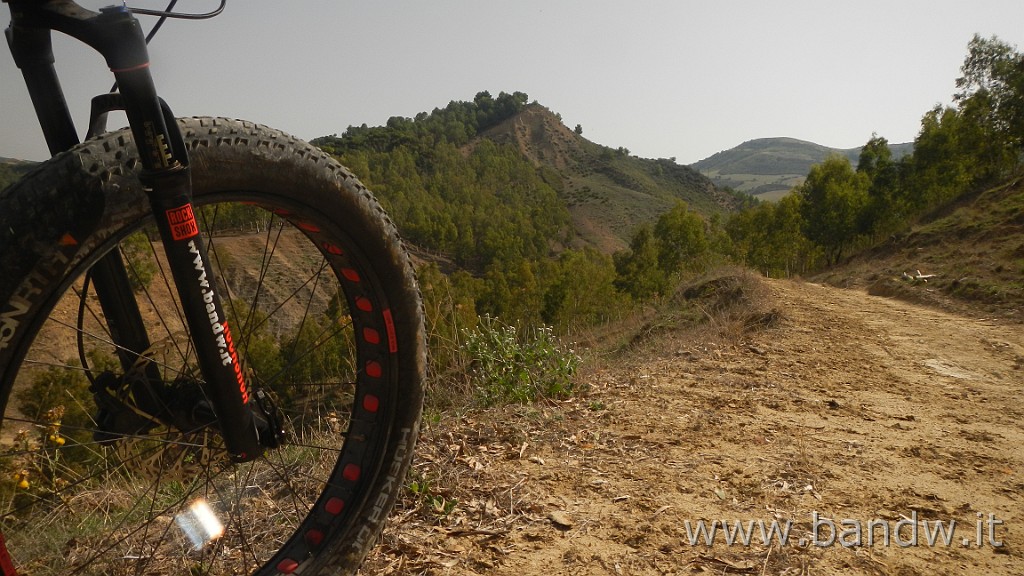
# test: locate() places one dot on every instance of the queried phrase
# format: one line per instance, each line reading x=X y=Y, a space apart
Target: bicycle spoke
x=185 y=355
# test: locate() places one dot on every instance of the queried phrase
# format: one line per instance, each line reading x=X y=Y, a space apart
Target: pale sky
x=663 y=78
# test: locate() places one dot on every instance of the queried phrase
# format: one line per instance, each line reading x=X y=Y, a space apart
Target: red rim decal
x=332 y=249
x=334 y=506
x=314 y=538
x=389 y=324
x=371 y=403
x=351 y=473
x=373 y=369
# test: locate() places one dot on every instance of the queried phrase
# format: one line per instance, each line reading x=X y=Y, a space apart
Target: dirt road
x=887 y=421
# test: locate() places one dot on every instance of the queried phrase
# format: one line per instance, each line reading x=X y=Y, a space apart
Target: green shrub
x=510 y=365
x=56 y=387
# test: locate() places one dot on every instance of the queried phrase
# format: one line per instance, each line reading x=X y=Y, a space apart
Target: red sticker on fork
x=183 y=223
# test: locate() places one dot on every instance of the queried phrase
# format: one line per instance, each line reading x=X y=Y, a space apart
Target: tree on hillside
x=682 y=242
x=980 y=140
x=993 y=73
x=792 y=251
x=886 y=209
x=939 y=170
x=581 y=291
x=637 y=271
x=875 y=156
x=977 y=142
x=511 y=291
x=770 y=238
x=832 y=200
x=677 y=243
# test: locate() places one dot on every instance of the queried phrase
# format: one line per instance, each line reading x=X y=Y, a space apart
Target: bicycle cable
x=169 y=12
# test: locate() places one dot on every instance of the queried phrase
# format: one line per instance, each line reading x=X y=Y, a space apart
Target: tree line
x=840 y=208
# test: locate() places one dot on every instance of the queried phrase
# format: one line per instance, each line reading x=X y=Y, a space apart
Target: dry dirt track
x=852 y=407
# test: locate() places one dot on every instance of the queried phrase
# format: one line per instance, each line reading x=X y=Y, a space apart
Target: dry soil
x=856 y=410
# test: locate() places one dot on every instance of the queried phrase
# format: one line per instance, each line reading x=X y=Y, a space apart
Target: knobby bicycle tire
x=326 y=315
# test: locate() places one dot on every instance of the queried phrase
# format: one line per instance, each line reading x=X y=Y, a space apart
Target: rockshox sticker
x=183 y=223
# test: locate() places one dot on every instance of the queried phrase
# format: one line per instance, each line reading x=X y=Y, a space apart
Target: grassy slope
x=975 y=249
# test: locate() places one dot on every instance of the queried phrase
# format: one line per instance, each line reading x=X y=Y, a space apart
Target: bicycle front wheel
x=326 y=317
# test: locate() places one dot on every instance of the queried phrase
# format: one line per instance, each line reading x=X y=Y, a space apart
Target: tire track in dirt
x=851 y=407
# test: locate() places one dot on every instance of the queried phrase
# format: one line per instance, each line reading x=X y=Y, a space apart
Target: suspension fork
x=118 y=37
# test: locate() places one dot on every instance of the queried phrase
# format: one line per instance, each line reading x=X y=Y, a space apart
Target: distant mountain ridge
x=770 y=167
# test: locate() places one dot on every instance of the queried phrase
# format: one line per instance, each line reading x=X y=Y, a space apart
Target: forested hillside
x=435 y=173
x=476 y=204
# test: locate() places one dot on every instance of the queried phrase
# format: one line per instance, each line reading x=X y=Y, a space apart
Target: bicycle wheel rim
x=320 y=513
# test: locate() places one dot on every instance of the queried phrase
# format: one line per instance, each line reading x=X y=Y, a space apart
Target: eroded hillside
x=608 y=191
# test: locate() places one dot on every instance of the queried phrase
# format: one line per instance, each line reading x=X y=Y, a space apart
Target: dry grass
x=115 y=514
x=744 y=399
x=481 y=475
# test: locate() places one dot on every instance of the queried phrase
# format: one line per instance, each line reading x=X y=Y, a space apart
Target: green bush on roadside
x=512 y=365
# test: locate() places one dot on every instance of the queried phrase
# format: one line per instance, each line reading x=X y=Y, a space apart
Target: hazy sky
x=664 y=78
